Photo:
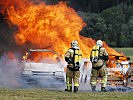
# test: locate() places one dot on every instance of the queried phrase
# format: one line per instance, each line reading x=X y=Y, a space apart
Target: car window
x=43 y=57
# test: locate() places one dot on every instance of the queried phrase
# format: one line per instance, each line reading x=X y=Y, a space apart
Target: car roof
x=42 y=50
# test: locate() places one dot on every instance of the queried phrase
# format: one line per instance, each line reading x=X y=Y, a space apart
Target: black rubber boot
x=69 y=90
x=66 y=89
x=93 y=88
x=75 y=89
x=103 y=89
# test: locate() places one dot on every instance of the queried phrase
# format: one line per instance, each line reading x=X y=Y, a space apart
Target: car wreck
x=40 y=69
x=120 y=71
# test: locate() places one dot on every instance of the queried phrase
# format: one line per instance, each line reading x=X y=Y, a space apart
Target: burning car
x=42 y=67
x=120 y=71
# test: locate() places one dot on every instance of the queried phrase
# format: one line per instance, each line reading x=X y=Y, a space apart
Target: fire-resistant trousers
x=72 y=76
x=102 y=72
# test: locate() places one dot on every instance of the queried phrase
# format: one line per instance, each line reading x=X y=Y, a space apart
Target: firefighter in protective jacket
x=99 y=57
x=73 y=58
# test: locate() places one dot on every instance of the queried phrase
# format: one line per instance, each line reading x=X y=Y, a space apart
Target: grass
x=41 y=94
x=127 y=51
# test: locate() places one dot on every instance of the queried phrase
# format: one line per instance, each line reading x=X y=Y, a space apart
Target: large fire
x=48 y=26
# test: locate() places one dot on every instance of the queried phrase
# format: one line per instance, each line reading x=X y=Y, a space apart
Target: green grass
x=41 y=94
x=127 y=51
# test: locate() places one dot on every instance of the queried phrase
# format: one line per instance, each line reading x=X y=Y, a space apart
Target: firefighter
x=73 y=58
x=98 y=57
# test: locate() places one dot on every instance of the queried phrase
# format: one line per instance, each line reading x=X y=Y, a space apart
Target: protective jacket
x=73 y=58
x=98 y=57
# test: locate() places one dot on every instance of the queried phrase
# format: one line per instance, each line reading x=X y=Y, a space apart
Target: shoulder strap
x=99 y=50
x=70 y=51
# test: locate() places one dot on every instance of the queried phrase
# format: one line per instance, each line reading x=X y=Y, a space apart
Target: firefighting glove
x=70 y=61
x=77 y=65
x=66 y=59
x=105 y=58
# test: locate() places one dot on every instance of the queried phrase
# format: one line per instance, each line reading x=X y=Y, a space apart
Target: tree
x=95 y=26
x=127 y=33
x=114 y=19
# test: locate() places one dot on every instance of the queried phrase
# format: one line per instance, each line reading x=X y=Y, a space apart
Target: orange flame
x=48 y=26
x=5 y=4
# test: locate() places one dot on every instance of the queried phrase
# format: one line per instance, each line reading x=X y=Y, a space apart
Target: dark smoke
x=6 y=35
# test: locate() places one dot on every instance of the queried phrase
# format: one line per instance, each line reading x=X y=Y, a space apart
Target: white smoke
x=10 y=71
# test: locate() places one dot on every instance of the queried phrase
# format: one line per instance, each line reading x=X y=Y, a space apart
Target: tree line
x=114 y=25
